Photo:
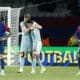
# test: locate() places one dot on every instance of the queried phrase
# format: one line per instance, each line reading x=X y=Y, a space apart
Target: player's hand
x=32 y=28
x=3 y=38
x=7 y=34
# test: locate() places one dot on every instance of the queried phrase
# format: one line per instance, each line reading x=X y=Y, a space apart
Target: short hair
x=27 y=16
x=30 y=21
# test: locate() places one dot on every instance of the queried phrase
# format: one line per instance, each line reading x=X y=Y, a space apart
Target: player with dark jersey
x=77 y=35
x=3 y=29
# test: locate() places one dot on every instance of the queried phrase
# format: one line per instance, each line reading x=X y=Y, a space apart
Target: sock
x=2 y=71
x=40 y=63
x=34 y=64
x=22 y=63
x=2 y=64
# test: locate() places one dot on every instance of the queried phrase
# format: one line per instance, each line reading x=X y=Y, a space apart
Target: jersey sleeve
x=6 y=28
x=22 y=25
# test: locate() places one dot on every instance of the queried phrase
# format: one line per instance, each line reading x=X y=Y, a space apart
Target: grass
x=52 y=73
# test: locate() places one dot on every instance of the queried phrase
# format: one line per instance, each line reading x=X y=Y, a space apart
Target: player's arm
x=36 y=25
x=6 y=28
x=7 y=31
x=24 y=28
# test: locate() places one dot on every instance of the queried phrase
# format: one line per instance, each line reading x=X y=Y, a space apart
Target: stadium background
x=59 y=18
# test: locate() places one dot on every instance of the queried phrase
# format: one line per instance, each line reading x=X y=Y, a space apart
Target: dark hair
x=30 y=21
x=27 y=16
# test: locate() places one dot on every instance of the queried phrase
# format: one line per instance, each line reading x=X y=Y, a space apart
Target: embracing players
x=26 y=41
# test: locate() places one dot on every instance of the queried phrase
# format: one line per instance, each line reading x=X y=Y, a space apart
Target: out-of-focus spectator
x=77 y=35
x=46 y=41
x=72 y=41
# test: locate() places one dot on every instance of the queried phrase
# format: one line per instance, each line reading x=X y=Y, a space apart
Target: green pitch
x=52 y=73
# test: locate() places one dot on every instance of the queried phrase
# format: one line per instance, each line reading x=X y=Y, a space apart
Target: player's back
x=35 y=33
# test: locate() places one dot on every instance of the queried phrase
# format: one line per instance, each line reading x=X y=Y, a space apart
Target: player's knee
x=34 y=56
x=37 y=57
x=22 y=54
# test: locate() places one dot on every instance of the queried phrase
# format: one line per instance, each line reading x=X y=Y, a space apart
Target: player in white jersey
x=26 y=45
x=37 y=46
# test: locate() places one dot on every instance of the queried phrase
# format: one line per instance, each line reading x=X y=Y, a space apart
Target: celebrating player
x=77 y=35
x=4 y=34
x=25 y=41
x=37 y=45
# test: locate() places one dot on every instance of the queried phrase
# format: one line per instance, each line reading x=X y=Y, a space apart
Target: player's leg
x=2 y=59
x=41 y=65
x=79 y=62
x=79 y=57
x=39 y=47
x=33 y=63
x=39 y=62
x=38 y=53
x=30 y=51
x=22 y=59
x=23 y=50
x=2 y=64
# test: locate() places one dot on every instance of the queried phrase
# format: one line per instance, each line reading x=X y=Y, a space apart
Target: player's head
x=27 y=17
x=29 y=23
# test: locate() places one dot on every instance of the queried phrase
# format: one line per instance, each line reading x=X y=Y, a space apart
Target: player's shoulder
x=21 y=23
x=34 y=22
